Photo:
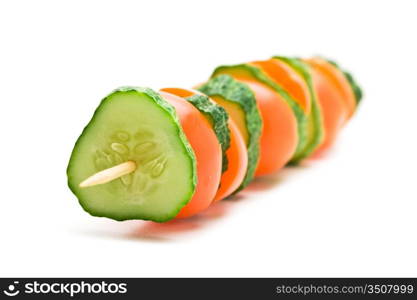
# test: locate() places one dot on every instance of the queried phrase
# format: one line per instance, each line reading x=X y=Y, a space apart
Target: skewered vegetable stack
x=171 y=154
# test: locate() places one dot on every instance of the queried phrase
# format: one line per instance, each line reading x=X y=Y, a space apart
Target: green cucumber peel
x=315 y=120
x=218 y=117
x=299 y=114
x=357 y=90
x=234 y=91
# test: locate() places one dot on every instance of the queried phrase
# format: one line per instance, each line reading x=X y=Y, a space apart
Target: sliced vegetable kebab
x=171 y=154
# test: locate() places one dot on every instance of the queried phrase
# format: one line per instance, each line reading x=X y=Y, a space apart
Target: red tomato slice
x=338 y=80
x=288 y=79
x=279 y=132
x=279 y=137
x=207 y=151
x=334 y=108
x=237 y=156
x=237 y=153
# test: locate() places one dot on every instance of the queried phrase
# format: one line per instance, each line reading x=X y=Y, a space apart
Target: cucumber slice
x=257 y=74
x=357 y=91
x=239 y=101
x=315 y=133
x=218 y=117
x=134 y=124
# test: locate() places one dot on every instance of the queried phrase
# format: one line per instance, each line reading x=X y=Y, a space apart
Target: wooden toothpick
x=109 y=174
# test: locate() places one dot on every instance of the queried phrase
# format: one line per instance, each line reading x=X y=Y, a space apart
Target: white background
x=352 y=213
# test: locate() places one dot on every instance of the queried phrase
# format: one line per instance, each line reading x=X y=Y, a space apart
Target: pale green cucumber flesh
x=134 y=124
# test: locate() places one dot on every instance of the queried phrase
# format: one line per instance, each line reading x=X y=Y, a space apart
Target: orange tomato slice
x=288 y=79
x=207 y=150
x=334 y=109
x=236 y=154
x=180 y=92
x=279 y=136
x=338 y=80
